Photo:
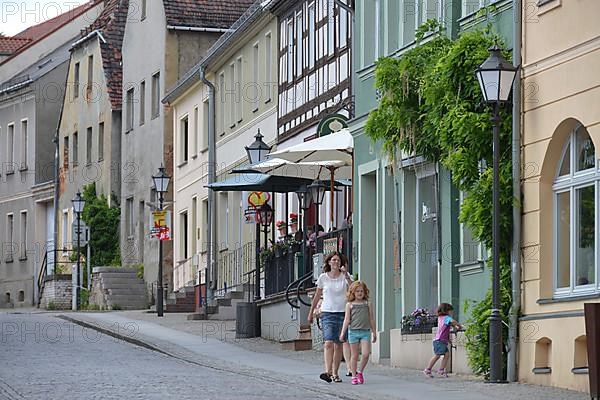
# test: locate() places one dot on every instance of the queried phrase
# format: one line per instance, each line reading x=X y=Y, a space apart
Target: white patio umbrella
x=333 y=152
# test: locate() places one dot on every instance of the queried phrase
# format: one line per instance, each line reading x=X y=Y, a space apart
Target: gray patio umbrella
x=259 y=182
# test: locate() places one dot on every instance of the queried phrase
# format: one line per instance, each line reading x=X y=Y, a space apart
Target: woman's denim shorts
x=331 y=323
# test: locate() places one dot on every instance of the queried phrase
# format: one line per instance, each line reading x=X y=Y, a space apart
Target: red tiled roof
x=40 y=30
x=111 y=23
x=9 y=45
x=205 y=13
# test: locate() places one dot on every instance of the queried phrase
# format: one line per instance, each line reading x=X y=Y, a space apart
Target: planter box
x=418 y=329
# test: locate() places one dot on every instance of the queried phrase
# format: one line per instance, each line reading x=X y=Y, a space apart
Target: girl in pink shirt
x=442 y=339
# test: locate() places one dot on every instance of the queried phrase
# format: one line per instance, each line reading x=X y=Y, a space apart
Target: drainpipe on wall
x=512 y=370
x=211 y=194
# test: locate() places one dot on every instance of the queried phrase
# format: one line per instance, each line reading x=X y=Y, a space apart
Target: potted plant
x=419 y=321
x=265 y=255
x=294 y=222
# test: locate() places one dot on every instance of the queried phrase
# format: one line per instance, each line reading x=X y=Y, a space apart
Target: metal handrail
x=42 y=274
x=297 y=284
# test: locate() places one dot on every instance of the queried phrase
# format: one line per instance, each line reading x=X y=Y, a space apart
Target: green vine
x=431 y=105
x=104 y=225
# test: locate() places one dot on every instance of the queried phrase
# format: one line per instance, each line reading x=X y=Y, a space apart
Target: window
x=101 y=141
x=204 y=226
x=65 y=230
x=299 y=44
x=311 y=36
x=231 y=93
x=143 y=9
x=255 y=78
x=24 y=144
x=129 y=115
x=142 y=102
x=194 y=230
x=471 y=6
x=223 y=222
x=331 y=25
x=268 y=67
x=141 y=224
x=9 y=237
x=223 y=101
x=183 y=235
x=204 y=128
x=195 y=136
x=23 y=232
x=90 y=78
x=471 y=250
x=575 y=198
x=183 y=139
x=239 y=107
x=75 y=149
x=129 y=217
x=66 y=153
x=88 y=146
x=290 y=51
x=10 y=143
x=155 y=95
x=76 y=81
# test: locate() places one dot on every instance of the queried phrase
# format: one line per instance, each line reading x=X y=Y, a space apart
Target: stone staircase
x=118 y=288
x=182 y=301
x=225 y=307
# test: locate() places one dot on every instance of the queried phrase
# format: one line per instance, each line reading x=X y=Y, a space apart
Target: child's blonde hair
x=355 y=285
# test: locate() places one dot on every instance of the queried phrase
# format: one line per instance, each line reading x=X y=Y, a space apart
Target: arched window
x=576 y=190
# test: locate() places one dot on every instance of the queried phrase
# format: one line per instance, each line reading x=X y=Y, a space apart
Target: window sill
x=100 y=160
x=203 y=252
x=267 y=100
x=24 y=258
x=580 y=371
x=182 y=164
x=542 y=371
x=569 y=299
x=221 y=134
x=155 y=116
x=10 y=172
x=194 y=156
x=9 y=260
x=204 y=150
x=127 y=131
x=130 y=238
x=88 y=164
x=255 y=110
x=23 y=168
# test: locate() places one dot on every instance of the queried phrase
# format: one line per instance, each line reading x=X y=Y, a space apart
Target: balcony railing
x=234 y=265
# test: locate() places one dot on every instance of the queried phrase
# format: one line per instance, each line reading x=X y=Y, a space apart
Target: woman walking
x=332 y=286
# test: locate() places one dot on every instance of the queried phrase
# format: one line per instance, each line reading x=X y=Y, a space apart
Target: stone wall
x=57 y=293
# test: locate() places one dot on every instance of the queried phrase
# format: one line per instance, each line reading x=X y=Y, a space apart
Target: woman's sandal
x=326 y=377
x=336 y=378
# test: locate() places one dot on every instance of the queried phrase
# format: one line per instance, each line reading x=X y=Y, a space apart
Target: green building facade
x=409 y=247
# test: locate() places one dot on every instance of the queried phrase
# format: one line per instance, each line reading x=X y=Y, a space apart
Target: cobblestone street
x=47 y=357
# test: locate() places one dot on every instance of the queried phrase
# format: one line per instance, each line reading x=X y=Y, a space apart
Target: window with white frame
x=239 y=85
x=299 y=44
x=23 y=236
x=129 y=111
x=311 y=35
x=194 y=226
x=223 y=222
x=65 y=231
x=24 y=143
x=10 y=143
x=290 y=51
x=76 y=81
x=142 y=102
x=471 y=250
x=9 y=246
x=196 y=131
x=231 y=93
x=203 y=237
x=184 y=139
x=268 y=67
x=255 y=92
x=576 y=190
x=183 y=236
x=101 y=141
x=129 y=218
x=223 y=103
x=88 y=146
x=75 y=149
x=472 y=6
x=155 y=95
x=204 y=127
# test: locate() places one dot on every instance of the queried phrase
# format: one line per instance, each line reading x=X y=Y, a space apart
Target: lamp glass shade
x=317 y=192
x=304 y=197
x=258 y=150
x=78 y=203
x=496 y=77
x=161 y=180
x=265 y=214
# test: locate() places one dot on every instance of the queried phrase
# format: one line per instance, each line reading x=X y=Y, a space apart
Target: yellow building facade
x=561 y=189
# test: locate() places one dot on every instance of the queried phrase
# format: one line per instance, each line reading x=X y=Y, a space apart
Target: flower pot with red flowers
x=281 y=227
x=293 y=222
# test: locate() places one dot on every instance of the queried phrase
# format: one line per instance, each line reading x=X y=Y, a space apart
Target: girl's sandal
x=336 y=379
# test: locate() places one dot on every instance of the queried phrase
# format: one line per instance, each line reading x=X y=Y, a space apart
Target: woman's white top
x=334 y=292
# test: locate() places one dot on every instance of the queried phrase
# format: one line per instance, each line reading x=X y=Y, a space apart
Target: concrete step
x=226 y=313
x=224 y=302
x=138 y=291
x=296 y=344
x=235 y=295
x=96 y=270
x=136 y=285
x=108 y=282
x=180 y=308
x=123 y=275
x=187 y=289
x=196 y=317
x=125 y=299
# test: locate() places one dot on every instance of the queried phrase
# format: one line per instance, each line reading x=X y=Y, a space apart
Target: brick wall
x=58 y=291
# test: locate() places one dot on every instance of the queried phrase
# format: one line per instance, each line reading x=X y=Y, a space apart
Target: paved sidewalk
x=213 y=344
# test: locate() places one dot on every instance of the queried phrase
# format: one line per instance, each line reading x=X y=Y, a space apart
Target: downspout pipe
x=211 y=194
x=513 y=330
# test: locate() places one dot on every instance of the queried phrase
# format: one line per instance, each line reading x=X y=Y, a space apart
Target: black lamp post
x=161 y=183
x=258 y=150
x=317 y=194
x=265 y=216
x=496 y=77
x=304 y=200
x=78 y=204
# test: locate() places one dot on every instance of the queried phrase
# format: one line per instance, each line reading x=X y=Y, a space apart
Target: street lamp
x=317 y=192
x=161 y=184
x=265 y=217
x=304 y=200
x=496 y=77
x=258 y=150
x=78 y=205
